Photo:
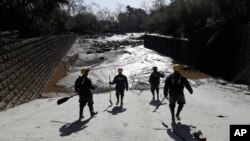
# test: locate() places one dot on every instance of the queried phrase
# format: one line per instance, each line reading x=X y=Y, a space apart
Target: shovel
x=110 y=93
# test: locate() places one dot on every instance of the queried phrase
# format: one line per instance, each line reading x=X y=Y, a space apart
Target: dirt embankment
x=58 y=74
x=194 y=74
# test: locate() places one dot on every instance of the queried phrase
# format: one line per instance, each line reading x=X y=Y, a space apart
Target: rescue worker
x=174 y=86
x=82 y=86
x=121 y=83
x=154 y=81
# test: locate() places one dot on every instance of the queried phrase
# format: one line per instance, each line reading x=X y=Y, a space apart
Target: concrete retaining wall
x=176 y=48
x=227 y=56
x=243 y=38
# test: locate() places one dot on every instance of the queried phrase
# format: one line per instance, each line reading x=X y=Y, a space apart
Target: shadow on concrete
x=107 y=108
x=117 y=109
x=76 y=126
x=180 y=132
x=55 y=121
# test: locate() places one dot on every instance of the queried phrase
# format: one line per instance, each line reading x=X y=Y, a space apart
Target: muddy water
x=136 y=61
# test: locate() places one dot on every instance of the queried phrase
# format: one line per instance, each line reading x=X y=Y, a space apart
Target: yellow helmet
x=155 y=68
x=120 y=70
x=177 y=68
x=84 y=71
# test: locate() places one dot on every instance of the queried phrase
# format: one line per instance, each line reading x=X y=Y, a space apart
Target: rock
x=86 y=36
x=106 y=46
x=222 y=82
x=221 y=116
x=247 y=93
x=89 y=52
x=106 y=49
x=99 y=51
x=117 y=44
x=140 y=38
x=186 y=67
x=109 y=35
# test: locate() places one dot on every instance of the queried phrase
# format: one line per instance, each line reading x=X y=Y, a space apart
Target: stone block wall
x=26 y=66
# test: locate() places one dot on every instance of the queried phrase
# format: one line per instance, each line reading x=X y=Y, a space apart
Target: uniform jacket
x=154 y=78
x=83 y=85
x=121 y=82
x=175 y=83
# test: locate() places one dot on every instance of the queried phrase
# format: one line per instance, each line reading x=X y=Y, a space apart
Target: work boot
x=81 y=105
x=117 y=102
x=91 y=110
x=178 y=117
x=81 y=117
x=121 y=103
x=93 y=114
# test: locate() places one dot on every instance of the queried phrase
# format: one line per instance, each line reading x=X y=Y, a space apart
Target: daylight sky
x=112 y=4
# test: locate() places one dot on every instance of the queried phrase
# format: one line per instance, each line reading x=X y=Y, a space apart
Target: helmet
x=120 y=70
x=177 y=68
x=84 y=71
x=155 y=68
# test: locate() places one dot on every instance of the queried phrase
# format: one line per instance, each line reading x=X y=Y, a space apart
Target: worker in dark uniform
x=82 y=86
x=174 y=85
x=121 y=83
x=154 y=81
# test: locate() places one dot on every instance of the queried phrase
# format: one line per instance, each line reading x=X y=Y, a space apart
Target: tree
x=132 y=19
x=231 y=11
x=51 y=5
x=104 y=15
x=179 y=18
x=157 y=4
x=31 y=17
x=145 y=6
x=76 y=6
x=85 y=22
